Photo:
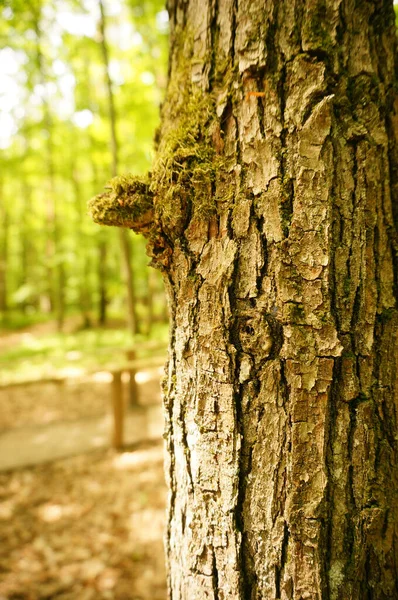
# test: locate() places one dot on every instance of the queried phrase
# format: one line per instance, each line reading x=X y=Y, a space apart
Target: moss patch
x=186 y=169
x=128 y=202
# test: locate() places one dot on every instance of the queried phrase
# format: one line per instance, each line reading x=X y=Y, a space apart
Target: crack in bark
x=329 y=466
x=280 y=569
x=351 y=503
x=239 y=424
x=215 y=576
x=286 y=207
x=332 y=242
x=233 y=29
x=214 y=32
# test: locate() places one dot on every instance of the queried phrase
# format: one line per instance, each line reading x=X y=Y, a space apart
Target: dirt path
x=78 y=398
x=29 y=446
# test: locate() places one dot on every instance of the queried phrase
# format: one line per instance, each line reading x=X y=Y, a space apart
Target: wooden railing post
x=118 y=410
x=133 y=388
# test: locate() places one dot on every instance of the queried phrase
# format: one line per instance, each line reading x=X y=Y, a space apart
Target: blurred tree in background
x=56 y=152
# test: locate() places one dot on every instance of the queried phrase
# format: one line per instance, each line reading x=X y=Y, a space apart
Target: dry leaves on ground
x=88 y=527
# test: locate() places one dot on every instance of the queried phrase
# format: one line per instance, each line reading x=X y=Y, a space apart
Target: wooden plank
x=139 y=364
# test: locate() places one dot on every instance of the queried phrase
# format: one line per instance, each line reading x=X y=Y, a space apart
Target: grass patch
x=51 y=355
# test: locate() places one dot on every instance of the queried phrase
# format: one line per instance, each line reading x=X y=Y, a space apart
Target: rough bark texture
x=273 y=221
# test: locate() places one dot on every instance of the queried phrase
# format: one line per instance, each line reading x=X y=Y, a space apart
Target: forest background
x=56 y=266
x=64 y=279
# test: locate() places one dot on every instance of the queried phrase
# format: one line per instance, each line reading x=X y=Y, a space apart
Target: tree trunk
x=102 y=244
x=102 y=279
x=28 y=255
x=27 y=250
x=54 y=251
x=129 y=282
x=269 y=210
x=150 y=290
x=3 y=254
x=82 y=268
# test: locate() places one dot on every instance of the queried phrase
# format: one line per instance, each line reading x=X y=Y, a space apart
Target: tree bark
x=273 y=223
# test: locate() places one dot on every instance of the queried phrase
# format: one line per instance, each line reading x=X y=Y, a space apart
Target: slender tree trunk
x=101 y=240
x=3 y=253
x=272 y=221
x=123 y=234
x=25 y=235
x=129 y=281
x=83 y=267
x=150 y=291
x=102 y=280
x=55 y=264
x=23 y=229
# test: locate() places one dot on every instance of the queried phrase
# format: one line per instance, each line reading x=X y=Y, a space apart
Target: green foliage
x=15 y=319
x=51 y=253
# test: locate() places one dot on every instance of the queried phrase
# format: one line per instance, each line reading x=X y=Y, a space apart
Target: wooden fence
x=132 y=365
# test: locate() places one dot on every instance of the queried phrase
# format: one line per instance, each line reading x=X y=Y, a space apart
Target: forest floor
x=85 y=527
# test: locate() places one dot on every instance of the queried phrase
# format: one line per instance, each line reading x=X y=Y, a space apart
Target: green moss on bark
x=128 y=202
x=188 y=163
